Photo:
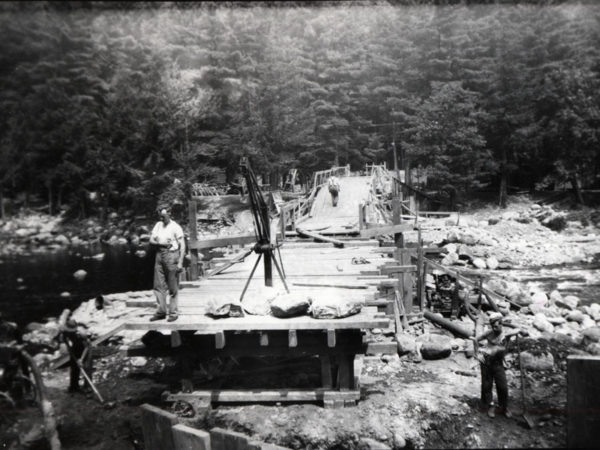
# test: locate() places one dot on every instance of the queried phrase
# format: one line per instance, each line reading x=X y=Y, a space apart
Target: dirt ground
x=405 y=403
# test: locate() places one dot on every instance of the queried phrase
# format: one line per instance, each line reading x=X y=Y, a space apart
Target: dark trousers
x=77 y=345
x=490 y=372
x=334 y=195
x=166 y=281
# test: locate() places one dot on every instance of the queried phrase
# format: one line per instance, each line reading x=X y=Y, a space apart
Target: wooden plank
x=388 y=270
x=265 y=395
x=406 y=279
x=188 y=438
x=337 y=286
x=208 y=325
x=236 y=259
x=221 y=439
x=583 y=401
x=378 y=348
x=320 y=237
x=222 y=242
x=156 y=428
x=390 y=229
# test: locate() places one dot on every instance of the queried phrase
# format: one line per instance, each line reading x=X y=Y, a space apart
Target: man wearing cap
x=167 y=235
x=491 y=359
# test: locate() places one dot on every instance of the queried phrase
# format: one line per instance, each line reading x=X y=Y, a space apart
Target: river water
x=31 y=285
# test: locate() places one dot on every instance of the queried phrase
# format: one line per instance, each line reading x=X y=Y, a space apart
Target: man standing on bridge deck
x=334 y=189
x=168 y=236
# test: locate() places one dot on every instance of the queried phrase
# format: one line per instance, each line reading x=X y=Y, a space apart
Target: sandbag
x=290 y=305
x=224 y=308
x=334 y=308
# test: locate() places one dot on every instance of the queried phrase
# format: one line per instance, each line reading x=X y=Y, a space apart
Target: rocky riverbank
x=426 y=395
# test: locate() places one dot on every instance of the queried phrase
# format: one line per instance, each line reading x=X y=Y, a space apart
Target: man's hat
x=495 y=316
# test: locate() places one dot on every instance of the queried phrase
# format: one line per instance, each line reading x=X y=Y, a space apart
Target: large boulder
x=540 y=322
x=435 y=346
x=492 y=262
x=544 y=361
x=592 y=334
x=568 y=302
x=539 y=298
x=479 y=263
x=575 y=316
x=593 y=348
x=406 y=343
x=450 y=248
x=594 y=311
x=61 y=239
x=450 y=259
x=465 y=252
x=555 y=296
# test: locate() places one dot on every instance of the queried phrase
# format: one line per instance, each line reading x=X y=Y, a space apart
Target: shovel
x=528 y=419
x=83 y=372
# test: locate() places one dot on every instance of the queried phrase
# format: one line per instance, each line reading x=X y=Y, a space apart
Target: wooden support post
x=396 y=304
x=420 y=270
x=345 y=372
x=282 y=219
x=397 y=219
x=405 y=281
x=292 y=338
x=361 y=216
x=583 y=401
x=326 y=378
x=219 y=339
x=175 y=339
x=193 y=238
x=331 y=338
x=264 y=339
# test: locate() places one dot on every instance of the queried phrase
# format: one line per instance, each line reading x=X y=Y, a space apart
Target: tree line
x=105 y=107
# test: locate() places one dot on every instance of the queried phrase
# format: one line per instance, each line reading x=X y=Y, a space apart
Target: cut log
x=320 y=237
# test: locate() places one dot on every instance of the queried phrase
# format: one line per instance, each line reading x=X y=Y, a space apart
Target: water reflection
x=31 y=285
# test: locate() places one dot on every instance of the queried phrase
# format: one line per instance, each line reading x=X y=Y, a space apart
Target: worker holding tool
x=491 y=359
x=78 y=346
x=334 y=189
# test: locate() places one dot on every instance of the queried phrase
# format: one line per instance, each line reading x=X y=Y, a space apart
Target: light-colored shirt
x=333 y=181
x=167 y=234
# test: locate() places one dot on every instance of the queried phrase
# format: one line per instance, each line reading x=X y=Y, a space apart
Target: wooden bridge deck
x=343 y=218
x=313 y=271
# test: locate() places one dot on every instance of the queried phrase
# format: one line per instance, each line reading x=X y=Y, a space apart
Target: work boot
x=157 y=316
x=172 y=318
x=507 y=413
x=491 y=412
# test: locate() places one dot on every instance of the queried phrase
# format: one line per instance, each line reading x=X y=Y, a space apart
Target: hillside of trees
x=126 y=105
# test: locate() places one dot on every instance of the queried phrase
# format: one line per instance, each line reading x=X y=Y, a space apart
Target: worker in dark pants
x=78 y=346
x=491 y=360
x=334 y=189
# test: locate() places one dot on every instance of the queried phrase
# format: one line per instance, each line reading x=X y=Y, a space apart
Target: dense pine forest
x=105 y=105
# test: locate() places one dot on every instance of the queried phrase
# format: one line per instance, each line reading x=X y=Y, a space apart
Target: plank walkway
x=327 y=219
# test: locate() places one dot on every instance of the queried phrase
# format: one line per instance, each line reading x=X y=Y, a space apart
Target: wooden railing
x=321 y=177
x=298 y=210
